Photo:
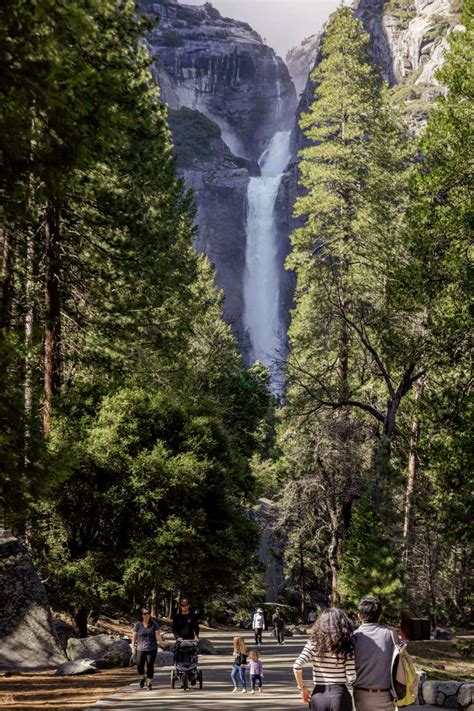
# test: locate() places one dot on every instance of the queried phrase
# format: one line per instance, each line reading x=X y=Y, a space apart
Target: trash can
x=414 y=628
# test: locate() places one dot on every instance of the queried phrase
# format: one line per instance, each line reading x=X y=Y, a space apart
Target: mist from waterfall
x=262 y=270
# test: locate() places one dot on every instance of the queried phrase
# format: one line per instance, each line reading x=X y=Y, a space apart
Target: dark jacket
x=185 y=626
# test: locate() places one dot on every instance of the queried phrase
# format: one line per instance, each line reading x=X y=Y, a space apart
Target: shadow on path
x=279 y=690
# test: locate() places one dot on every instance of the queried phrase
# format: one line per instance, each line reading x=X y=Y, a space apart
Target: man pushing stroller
x=185 y=623
x=186 y=632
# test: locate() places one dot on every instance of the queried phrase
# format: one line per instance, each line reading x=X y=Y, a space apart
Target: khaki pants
x=369 y=701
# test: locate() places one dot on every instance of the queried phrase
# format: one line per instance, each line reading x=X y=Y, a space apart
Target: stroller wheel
x=200 y=679
x=173 y=679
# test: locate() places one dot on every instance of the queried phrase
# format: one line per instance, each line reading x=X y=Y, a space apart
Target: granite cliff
x=228 y=94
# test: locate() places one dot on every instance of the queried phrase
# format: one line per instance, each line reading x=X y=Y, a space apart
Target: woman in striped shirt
x=331 y=652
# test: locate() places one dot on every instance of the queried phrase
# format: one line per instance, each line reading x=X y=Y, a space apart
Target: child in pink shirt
x=255 y=667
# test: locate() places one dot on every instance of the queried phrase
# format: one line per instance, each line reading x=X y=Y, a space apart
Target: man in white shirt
x=258 y=623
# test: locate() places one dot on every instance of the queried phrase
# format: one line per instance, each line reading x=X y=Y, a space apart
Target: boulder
x=28 y=639
x=206 y=647
x=442 y=633
x=449 y=688
x=466 y=695
x=164 y=659
x=295 y=629
x=78 y=666
x=430 y=691
x=100 y=648
x=64 y=632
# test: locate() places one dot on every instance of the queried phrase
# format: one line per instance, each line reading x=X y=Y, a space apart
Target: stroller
x=185 y=665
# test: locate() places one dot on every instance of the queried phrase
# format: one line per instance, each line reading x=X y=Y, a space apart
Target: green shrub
x=465 y=648
x=192 y=135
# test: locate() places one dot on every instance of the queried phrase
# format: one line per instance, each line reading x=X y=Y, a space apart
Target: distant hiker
x=311 y=617
x=238 y=668
x=185 y=622
x=258 y=624
x=279 y=626
x=145 y=640
x=331 y=651
x=374 y=646
x=255 y=668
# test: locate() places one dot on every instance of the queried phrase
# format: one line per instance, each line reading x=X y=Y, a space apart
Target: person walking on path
x=255 y=667
x=185 y=622
x=258 y=623
x=374 y=647
x=145 y=640
x=331 y=651
x=240 y=662
x=279 y=626
x=311 y=616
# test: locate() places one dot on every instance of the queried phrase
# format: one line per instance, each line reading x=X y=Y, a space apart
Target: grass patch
x=441 y=660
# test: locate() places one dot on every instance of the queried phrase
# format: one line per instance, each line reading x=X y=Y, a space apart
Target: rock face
x=103 y=649
x=408 y=36
x=271 y=548
x=300 y=61
x=222 y=68
x=408 y=42
x=27 y=637
x=228 y=93
x=64 y=632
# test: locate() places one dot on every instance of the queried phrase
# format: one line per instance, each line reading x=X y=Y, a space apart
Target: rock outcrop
x=271 y=548
x=102 y=648
x=408 y=42
x=221 y=67
x=27 y=637
x=300 y=61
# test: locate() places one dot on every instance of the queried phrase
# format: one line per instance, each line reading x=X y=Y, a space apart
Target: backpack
x=405 y=677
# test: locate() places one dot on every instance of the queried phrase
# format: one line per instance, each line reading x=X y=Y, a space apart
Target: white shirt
x=258 y=621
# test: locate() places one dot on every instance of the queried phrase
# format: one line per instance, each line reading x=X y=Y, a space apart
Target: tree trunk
x=412 y=469
x=52 y=340
x=7 y=280
x=154 y=604
x=80 y=618
x=302 y=580
x=335 y=559
x=29 y=324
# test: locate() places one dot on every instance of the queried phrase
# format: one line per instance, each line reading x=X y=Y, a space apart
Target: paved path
x=279 y=690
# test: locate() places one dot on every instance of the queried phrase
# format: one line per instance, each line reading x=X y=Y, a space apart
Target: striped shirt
x=327 y=668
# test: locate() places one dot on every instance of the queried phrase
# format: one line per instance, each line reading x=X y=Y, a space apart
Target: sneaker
x=142 y=683
x=253 y=691
x=150 y=687
x=234 y=689
x=244 y=691
x=260 y=689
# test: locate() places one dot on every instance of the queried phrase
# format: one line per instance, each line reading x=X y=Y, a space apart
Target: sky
x=283 y=23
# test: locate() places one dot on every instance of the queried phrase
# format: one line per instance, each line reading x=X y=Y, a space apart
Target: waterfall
x=279 y=103
x=262 y=270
